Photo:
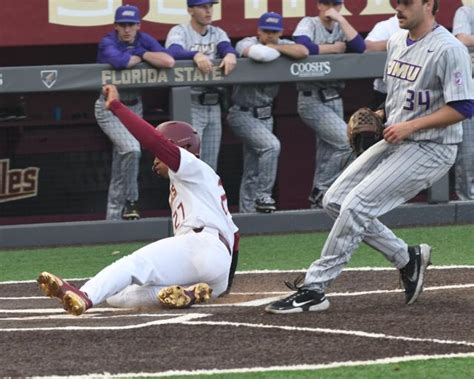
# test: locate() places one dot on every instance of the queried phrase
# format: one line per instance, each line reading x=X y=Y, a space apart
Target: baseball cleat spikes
x=50 y=284
x=179 y=297
x=74 y=301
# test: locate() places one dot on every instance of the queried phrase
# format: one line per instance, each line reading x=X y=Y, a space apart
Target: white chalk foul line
x=302 y=270
x=434 y=288
x=278 y=295
x=302 y=367
x=353 y=333
x=179 y=319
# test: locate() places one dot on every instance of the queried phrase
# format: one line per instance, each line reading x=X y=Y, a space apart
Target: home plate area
x=367 y=321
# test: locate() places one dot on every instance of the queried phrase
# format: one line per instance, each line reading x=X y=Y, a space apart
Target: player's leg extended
x=464 y=169
x=406 y=170
x=183 y=260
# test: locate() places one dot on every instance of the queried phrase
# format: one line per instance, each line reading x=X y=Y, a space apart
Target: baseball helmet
x=181 y=134
x=193 y=3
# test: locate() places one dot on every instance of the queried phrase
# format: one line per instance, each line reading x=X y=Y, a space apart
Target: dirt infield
x=367 y=320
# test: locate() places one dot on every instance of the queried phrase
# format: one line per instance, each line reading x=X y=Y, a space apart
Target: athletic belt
x=130 y=103
x=221 y=237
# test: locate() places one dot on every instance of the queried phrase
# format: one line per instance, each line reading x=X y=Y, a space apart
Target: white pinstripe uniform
x=464 y=170
x=125 y=155
x=206 y=119
x=326 y=119
x=261 y=146
x=197 y=200
x=420 y=78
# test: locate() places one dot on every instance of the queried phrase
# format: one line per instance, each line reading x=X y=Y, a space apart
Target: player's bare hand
x=228 y=63
x=111 y=93
x=397 y=132
x=203 y=63
x=333 y=14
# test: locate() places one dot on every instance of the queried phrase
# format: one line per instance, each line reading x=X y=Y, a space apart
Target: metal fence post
x=439 y=191
x=181 y=104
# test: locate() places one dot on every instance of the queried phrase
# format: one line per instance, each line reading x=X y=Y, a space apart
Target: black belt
x=221 y=237
x=130 y=103
x=244 y=109
x=307 y=93
x=248 y=109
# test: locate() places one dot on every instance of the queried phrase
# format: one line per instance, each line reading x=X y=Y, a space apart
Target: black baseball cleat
x=265 y=204
x=130 y=211
x=301 y=301
x=412 y=275
x=316 y=199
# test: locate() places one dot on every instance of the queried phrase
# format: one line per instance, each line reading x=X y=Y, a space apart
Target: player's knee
x=276 y=146
x=331 y=208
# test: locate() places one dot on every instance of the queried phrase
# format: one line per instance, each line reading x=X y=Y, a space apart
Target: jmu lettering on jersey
x=206 y=49
x=403 y=70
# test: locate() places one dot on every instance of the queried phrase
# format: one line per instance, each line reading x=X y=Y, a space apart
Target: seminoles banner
x=53 y=22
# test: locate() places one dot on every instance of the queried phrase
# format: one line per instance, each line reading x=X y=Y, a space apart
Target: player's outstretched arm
x=150 y=138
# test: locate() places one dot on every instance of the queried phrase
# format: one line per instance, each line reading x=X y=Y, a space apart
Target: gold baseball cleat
x=179 y=297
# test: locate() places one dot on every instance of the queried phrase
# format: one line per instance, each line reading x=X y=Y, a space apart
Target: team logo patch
x=458 y=79
x=272 y=20
x=49 y=77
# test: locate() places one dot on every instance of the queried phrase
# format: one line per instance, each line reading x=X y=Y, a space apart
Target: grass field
x=451 y=246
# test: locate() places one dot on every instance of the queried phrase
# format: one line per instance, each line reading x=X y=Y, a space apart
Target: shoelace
x=296 y=284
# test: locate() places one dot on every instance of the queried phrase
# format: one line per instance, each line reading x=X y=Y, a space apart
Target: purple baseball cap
x=193 y=3
x=335 y=2
x=271 y=21
x=129 y=14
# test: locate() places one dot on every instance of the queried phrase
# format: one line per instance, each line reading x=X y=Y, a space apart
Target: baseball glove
x=364 y=129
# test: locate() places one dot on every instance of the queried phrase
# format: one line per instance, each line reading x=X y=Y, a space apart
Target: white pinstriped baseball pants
x=333 y=151
x=206 y=119
x=125 y=159
x=261 y=150
x=382 y=178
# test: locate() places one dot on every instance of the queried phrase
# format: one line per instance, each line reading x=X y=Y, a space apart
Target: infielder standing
x=251 y=115
x=429 y=92
x=319 y=102
x=463 y=29
x=202 y=42
x=124 y=48
x=200 y=253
